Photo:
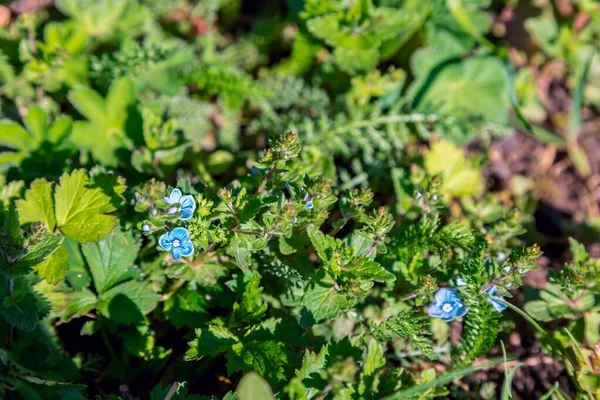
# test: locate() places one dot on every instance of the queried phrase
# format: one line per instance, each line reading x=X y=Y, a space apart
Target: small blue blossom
x=310 y=205
x=256 y=171
x=498 y=306
x=178 y=241
x=447 y=305
x=186 y=203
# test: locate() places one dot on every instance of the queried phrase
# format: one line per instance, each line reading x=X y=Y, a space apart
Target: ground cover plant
x=318 y=199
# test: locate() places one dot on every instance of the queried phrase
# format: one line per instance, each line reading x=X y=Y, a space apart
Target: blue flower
x=256 y=171
x=447 y=305
x=498 y=306
x=178 y=241
x=186 y=203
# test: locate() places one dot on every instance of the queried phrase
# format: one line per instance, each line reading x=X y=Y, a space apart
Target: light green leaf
x=111 y=259
x=253 y=387
x=81 y=211
x=54 y=268
x=36 y=122
x=323 y=301
x=374 y=359
x=36 y=254
x=472 y=88
x=89 y=104
x=320 y=242
x=13 y=136
x=120 y=95
x=459 y=177
x=38 y=205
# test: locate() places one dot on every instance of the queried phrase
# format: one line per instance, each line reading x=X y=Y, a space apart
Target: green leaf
x=120 y=96
x=53 y=270
x=371 y=270
x=20 y=309
x=80 y=303
x=212 y=341
x=36 y=122
x=323 y=301
x=89 y=103
x=36 y=254
x=473 y=88
x=320 y=242
x=577 y=104
x=128 y=302
x=266 y=358
x=253 y=387
x=13 y=136
x=463 y=17
x=460 y=178
x=111 y=259
x=38 y=204
x=81 y=211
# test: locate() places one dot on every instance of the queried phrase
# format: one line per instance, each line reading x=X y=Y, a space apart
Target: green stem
x=524 y=315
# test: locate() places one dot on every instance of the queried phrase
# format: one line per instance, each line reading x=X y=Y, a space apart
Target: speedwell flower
x=498 y=306
x=178 y=241
x=447 y=305
x=186 y=203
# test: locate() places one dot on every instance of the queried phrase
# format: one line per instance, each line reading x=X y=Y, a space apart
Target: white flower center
x=176 y=243
x=447 y=307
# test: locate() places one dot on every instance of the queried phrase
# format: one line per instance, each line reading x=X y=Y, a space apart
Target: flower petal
x=175 y=196
x=461 y=311
x=180 y=234
x=491 y=290
x=445 y=295
x=176 y=253
x=186 y=248
x=498 y=306
x=186 y=214
x=165 y=241
x=448 y=317
x=434 y=311
x=187 y=201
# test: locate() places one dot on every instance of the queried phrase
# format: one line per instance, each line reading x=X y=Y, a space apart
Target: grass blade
x=449 y=377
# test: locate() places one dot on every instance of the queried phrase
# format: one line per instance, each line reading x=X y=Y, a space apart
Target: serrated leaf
x=319 y=242
x=111 y=259
x=20 y=310
x=265 y=358
x=128 y=302
x=211 y=342
x=36 y=254
x=323 y=301
x=81 y=211
x=371 y=270
x=38 y=205
x=54 y=268
x=80 y=303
